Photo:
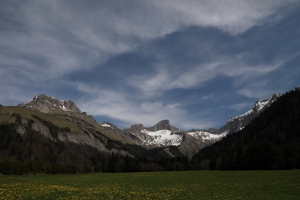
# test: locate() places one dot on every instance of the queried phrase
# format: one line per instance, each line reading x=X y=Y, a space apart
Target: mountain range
x=56 y=133
x=163 y=134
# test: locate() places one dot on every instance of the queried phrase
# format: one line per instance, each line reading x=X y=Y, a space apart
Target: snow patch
x=207 y=136
x=105 y=125
x=261 y=104
x=162 y=138
x=62 y=106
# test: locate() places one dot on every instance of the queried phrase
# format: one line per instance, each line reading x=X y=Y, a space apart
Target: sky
x=197 y=63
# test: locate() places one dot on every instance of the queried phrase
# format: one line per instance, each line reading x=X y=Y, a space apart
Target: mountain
x=239 y=122
x=68 y=111
x=48 y=104
x=270 y=141
x=163 y=125
x=165 y=139
x=160 y=135
x=57 y=134
x=187 y=143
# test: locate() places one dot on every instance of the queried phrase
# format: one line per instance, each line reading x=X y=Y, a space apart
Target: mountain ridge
x=164 y=135
x=70 y=138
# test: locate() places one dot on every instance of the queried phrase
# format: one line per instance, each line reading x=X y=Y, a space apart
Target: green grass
x=157 y=185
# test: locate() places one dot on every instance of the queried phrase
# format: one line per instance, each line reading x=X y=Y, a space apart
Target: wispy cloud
x=174 y=105
x=61 y=45
x=199 y=76
x=255 y=93
x=241 y=106
x=125 y=107
x=122 y=106
x=64 y=37
x=232 y=16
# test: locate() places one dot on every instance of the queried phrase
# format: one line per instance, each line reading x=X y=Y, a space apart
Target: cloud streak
x=138 y=61
x=167 y=79
x=69 y=36
x=124 y=107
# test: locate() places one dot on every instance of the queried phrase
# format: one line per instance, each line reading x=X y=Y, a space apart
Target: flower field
x=155 y=185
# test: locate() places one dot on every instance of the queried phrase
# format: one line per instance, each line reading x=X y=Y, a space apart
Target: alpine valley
x=48 y=135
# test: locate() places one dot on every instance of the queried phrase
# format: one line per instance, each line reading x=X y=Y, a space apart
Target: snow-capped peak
x=260 y=105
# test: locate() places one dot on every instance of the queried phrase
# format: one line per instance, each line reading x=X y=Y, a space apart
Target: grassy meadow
x=155 y=185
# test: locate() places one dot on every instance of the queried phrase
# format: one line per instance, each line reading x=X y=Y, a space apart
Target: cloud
x=64 y=36
x=235 y=67
x=123 y=106
x=233 y=17
x=174 y=105
x=166 y=78
x=241 y=106
x=13 y=95
x=255 y=93
x=42 y=42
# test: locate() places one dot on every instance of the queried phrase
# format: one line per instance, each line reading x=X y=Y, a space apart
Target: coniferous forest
x=270 y=142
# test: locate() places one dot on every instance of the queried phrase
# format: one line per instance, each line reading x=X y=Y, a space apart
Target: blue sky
x=196 y=63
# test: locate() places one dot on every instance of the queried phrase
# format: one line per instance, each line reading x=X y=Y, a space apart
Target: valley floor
x=155 y=185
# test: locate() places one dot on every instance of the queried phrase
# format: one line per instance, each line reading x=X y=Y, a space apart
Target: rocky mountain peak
x=137 y=127
x=261 y=105
x=49 y=104
x=162 y=125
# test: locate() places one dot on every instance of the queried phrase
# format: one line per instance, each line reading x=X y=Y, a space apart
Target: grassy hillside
x=57 y=119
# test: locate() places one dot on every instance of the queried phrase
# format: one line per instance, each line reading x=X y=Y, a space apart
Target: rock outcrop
x=164 y=124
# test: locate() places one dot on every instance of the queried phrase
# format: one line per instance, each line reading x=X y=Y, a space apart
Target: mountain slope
x=62 y=137
x=239 y=122
x=270 y=141
x=62 y=112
